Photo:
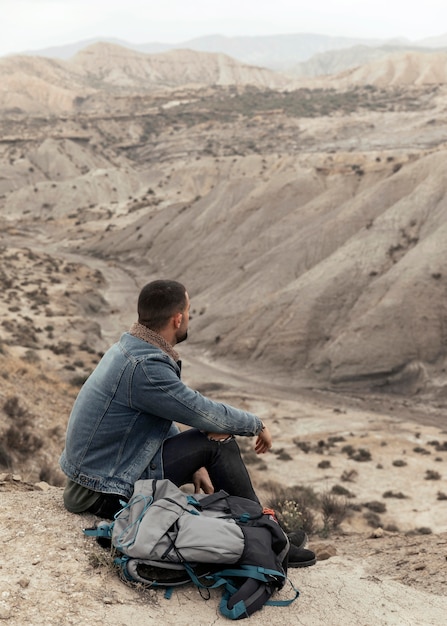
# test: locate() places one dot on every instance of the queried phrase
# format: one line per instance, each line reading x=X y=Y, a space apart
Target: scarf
x=150 y=336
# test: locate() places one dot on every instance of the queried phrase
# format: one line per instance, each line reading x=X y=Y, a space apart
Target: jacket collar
x=150 y=336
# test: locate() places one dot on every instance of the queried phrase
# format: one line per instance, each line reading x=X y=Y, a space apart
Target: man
x=122 y=427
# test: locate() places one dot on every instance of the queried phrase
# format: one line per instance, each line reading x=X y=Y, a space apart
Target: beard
x=182 y=337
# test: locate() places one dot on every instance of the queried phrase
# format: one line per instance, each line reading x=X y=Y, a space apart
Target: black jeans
x=183 y=455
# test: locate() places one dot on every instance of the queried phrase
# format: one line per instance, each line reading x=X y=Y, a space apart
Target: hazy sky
x=35 y=24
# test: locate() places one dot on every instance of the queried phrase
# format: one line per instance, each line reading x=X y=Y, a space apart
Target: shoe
x=298 y=538
x=300 y=557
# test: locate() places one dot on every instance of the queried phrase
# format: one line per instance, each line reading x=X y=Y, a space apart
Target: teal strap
x=285 y=602
x=102 y=530
x=252 y=571
x=147 y=501
x=238 y=610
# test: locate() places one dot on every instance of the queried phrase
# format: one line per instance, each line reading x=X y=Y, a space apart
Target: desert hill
x=103 y=73
x=399 y=68
x=326 y=205
x=308 y=224
x=113 y=65
x=41 y=85
x=337 y=61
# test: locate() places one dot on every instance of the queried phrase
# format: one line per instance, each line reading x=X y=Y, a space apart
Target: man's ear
x=178 y=319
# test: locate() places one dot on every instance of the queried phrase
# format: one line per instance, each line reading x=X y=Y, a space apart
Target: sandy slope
x=52 y=574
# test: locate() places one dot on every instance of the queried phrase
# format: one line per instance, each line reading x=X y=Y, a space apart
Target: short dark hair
x=159 y=301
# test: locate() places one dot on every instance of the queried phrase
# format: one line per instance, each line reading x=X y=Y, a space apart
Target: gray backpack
x=165 y=537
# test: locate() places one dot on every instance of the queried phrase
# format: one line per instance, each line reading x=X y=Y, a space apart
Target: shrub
x=5 y=457
x=349 y=475
x=376 y=507
x=22 y=440
x=399 y=463
x=293 y=507
x=283 y=455
x=421 y=450
x=334 y=511
x=372 y=519
x=424 y=530
x=432 y=475
x=51 y=475
x=324 y=464
x=305 y=446
x=13 y=409
x=392 y=494
x=339 y=490
x=362 y=455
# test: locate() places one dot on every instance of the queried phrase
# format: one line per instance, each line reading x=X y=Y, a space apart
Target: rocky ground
x=51 y=574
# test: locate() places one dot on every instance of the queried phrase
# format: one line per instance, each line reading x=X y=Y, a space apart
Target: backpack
x=164 y=537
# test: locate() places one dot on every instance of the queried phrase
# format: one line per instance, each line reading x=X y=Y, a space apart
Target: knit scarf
x=150 y=336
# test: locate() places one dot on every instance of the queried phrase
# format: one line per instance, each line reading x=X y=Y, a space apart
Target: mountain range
x=276 y=52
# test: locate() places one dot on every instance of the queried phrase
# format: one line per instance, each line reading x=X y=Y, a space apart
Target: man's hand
x=202 y=481
x=264 y=441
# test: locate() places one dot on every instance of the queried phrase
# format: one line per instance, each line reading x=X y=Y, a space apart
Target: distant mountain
x=68 y=51
x=274 y=52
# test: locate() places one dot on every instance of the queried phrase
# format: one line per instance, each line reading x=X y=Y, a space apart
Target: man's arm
x=161 y=392
x=264 y=440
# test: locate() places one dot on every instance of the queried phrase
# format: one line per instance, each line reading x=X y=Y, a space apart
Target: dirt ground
x=52 y=574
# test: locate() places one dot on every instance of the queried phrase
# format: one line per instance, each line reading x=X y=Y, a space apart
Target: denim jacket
x=127 y=408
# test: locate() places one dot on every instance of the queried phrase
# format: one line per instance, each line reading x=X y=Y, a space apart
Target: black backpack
x=164 y=538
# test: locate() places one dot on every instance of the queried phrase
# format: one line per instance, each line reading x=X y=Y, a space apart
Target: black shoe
x=300 y=557
x=297 y=538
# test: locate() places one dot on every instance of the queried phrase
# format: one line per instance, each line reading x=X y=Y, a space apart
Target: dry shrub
x=14 y=410
x=19 y=436
x=294 y=507
x=22 y=440
x=432 y=475
x=334 y=509
x=51 y=475
x=5 y=457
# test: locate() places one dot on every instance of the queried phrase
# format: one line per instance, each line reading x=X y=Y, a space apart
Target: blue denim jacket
x=127 y=408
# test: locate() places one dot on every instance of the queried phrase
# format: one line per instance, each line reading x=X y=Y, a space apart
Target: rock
x=42 y=486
